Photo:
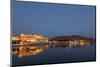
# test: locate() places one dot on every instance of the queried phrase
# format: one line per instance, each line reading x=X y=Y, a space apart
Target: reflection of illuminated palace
x=28 y=50
x=25 y=52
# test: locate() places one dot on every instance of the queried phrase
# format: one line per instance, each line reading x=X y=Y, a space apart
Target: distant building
x=15 y=38
x=33 y=38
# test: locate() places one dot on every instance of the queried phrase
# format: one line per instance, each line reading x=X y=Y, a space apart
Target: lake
x=37 y=55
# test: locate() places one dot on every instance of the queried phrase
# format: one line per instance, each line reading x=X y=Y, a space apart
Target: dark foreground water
x=57 y=55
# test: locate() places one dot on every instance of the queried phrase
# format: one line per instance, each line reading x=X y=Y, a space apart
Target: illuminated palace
x=29 y=38
x=26 y=39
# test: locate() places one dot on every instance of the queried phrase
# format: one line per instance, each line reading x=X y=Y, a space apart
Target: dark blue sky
x=53 y=19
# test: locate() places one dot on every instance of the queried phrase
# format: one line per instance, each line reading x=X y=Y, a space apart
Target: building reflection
x=23 y=50
x=28 y=51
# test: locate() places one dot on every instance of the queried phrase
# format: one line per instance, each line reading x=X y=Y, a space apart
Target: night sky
x=53 y=19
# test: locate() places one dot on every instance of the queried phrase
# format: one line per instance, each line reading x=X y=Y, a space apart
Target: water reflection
x=25 y=49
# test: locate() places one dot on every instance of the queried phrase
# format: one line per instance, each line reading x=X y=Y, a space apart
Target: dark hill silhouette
x=72 y=37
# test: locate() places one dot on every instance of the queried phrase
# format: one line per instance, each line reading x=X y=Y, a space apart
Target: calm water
x=56 y=55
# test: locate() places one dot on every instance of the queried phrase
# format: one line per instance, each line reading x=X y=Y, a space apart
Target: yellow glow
x=39 y=37
x=20 y=55
x=22 y=34
x=82 y=42
x=32 y=38
x=23 y=51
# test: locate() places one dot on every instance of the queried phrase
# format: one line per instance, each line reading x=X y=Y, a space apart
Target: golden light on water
x=23 y=51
